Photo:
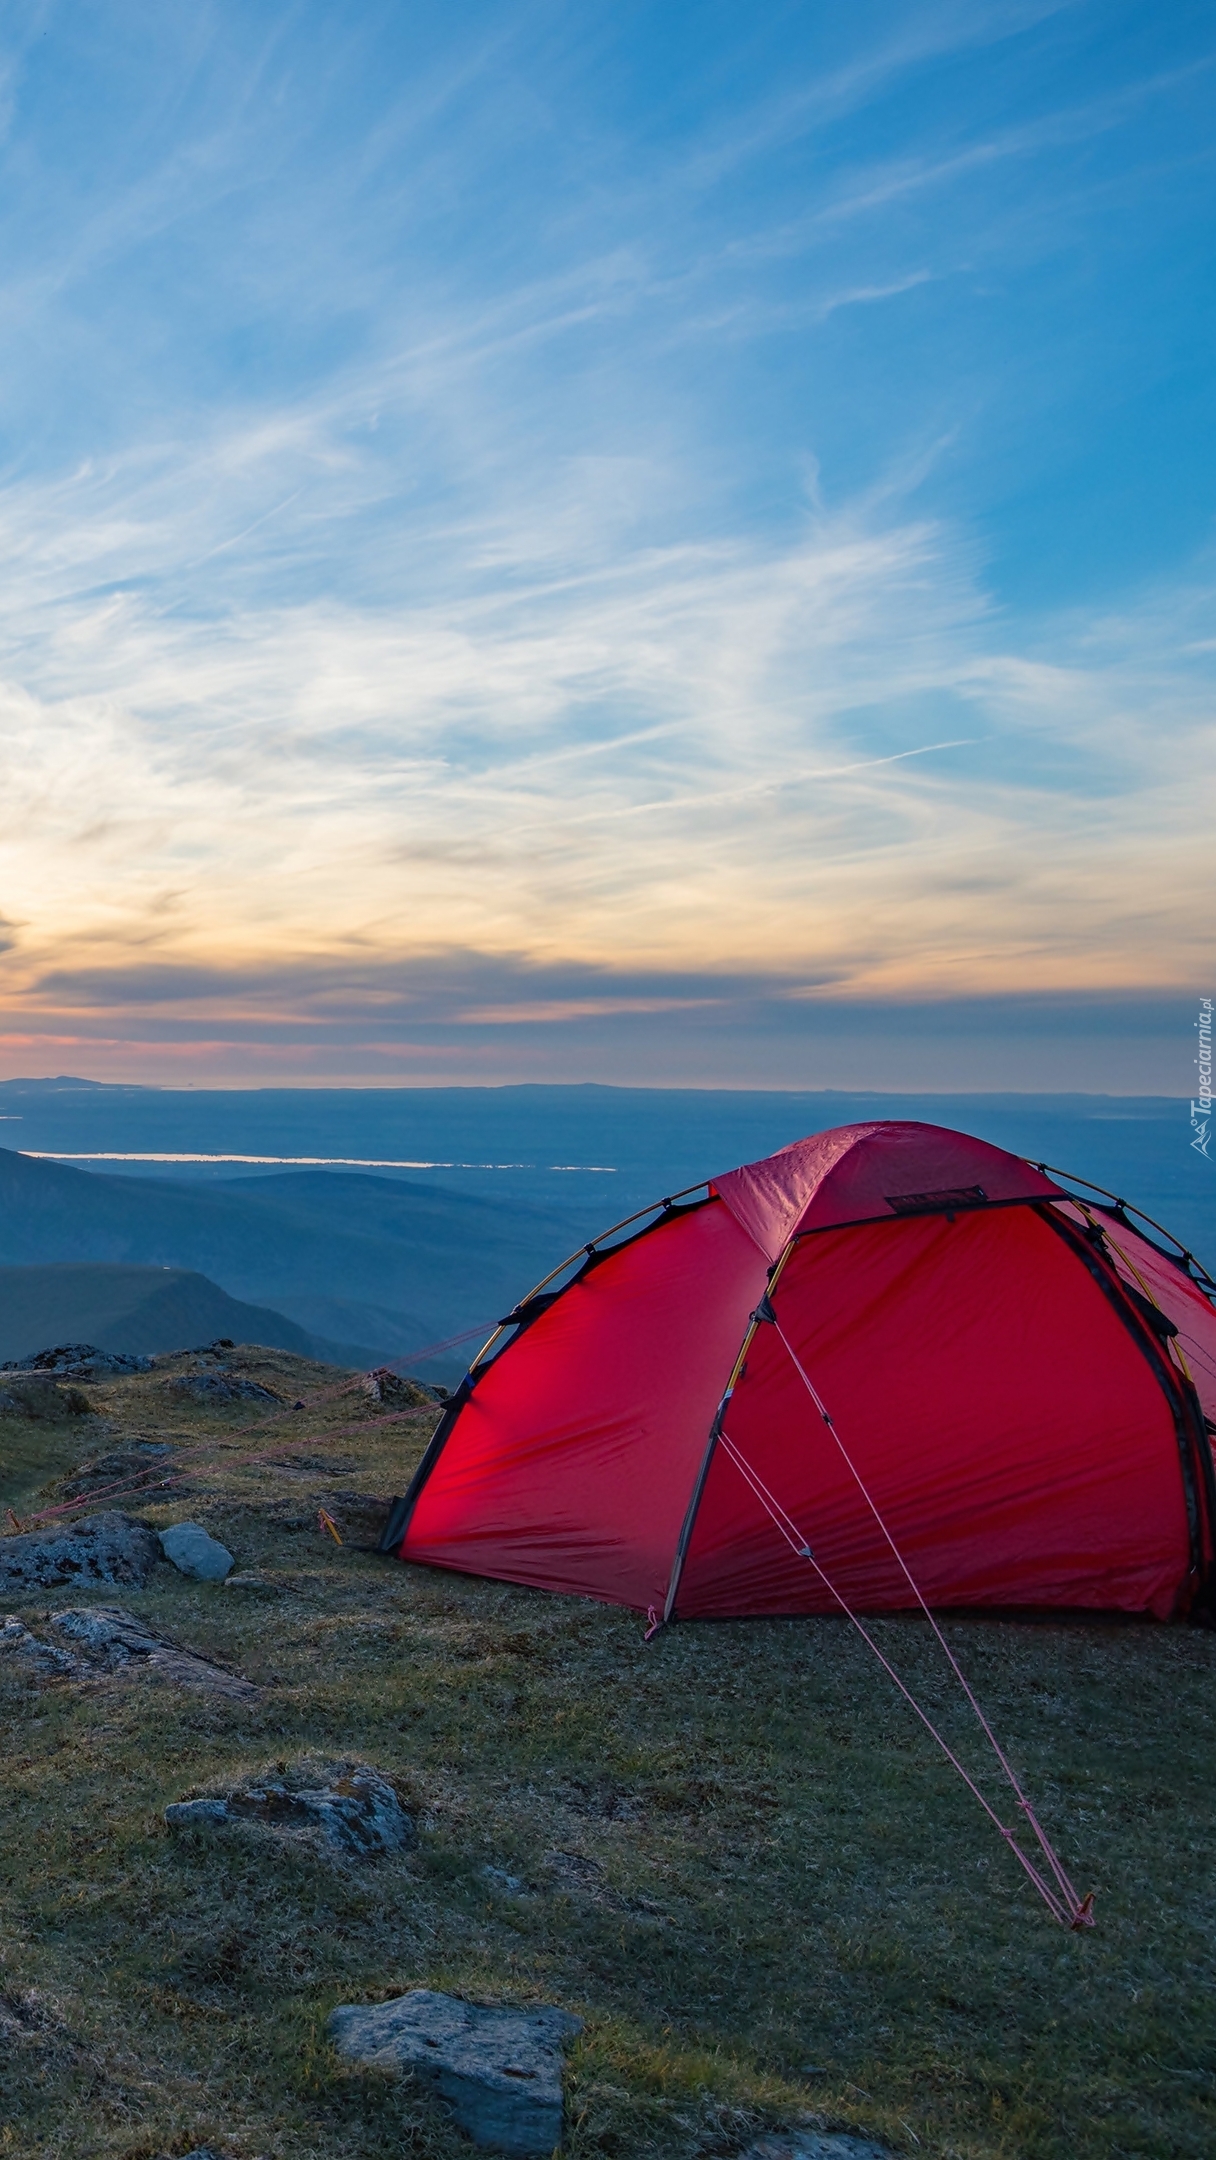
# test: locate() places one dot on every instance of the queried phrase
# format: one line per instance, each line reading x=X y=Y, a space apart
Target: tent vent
x=930 y=1203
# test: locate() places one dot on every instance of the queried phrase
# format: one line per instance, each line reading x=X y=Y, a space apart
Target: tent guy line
x=1080 y=1913
x=1024 y=1430
x=1076 y=1912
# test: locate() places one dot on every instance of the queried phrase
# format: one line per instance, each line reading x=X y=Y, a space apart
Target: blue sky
x=551 y=543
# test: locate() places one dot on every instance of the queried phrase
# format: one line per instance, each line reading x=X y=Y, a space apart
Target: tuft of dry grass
x=737 y=1856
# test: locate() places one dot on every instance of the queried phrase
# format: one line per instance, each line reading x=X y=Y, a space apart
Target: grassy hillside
x=733 y=1853
x=142 y=1309
x=352 y=1258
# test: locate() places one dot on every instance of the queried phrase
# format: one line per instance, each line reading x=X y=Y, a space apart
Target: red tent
x=888 y=1342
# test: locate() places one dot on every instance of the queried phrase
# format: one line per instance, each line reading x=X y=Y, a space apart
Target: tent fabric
x=998 y=1359
x=572 y=1462
x=1144 y=1267
x=857 y=1173
x=930 y=1348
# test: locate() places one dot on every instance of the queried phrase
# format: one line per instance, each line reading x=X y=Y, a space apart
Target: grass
x=743 y=1864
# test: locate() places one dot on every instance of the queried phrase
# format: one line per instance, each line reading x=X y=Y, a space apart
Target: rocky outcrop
x=105 y=1641
x=387 y=1387
x=39 y=1660
x=356 y=1810
x=105 y=1548
x=107 y=1638
x=79 y=1361
x=500 y=2071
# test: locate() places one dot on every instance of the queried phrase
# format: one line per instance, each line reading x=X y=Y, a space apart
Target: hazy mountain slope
x=144 y=1309
x=357 y=1258
x=506 y=1143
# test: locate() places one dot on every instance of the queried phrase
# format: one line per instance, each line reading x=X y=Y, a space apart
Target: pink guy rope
x=1070 y=1910
x=1063 y=1902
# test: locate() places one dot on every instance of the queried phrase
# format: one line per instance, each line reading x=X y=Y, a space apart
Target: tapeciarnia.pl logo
x=1201 y=1111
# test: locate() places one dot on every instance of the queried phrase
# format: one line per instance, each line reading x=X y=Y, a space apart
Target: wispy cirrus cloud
x=487 y=536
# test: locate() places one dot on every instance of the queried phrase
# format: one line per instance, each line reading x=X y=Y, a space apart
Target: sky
x=666 y=544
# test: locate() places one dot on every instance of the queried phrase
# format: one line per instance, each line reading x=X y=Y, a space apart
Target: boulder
x=194 y=1552
x=500 y=2071
x=105 y=1548
x=357 y=1811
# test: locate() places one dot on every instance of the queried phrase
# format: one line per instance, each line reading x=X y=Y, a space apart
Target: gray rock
x=498 y=1879
x=387 y=1387
x=221 y=1386
x=105 y=1548
x=195 y=1553
x=194 y=1814
x=255 y=1585
x=815 y=2145
x=79 y=1361
x=357 y=1811
x=116 y=1641
x=107 y=1632
x=17 y=1643
x=500 y=2071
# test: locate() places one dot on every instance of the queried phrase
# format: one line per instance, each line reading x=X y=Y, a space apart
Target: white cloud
x=639 y=754
x=487 y=627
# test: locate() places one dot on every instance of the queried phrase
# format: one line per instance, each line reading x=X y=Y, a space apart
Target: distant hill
x=364 y=1262
x=144 y=1309
x=538 y=1145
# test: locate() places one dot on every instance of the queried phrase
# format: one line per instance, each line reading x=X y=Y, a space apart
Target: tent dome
x=885 y=1336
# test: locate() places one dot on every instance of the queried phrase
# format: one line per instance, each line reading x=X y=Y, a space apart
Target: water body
x=596 y=1152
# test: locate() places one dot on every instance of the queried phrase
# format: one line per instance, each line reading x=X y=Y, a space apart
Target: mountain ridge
x=353 y=1260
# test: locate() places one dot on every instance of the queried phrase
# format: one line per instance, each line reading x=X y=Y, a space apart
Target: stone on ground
x=105 y=1548
x=815 y=2145
x=194 y=1552
x=357 y=1810
x=79 y=1361
x=388 y=1387
x=221 y=1385
x=500 y=2071
x=115 y=1641
x=16 y=1642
